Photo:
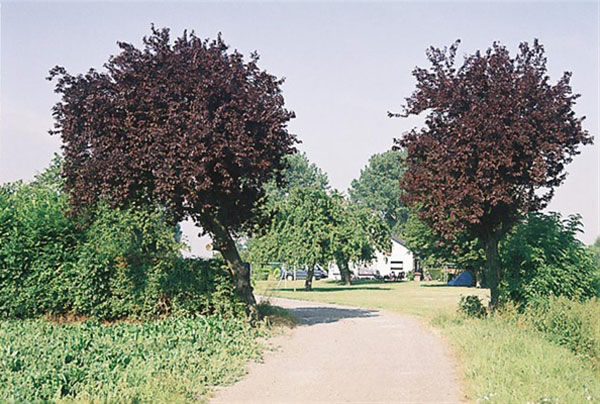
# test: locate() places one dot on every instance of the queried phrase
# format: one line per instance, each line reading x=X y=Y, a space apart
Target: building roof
x=399 y=241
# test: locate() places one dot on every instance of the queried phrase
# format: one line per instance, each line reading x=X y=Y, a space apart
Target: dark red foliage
x=188 y=125
x=496 y=139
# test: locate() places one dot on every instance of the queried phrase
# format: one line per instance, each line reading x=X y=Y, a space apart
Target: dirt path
x=344 y=354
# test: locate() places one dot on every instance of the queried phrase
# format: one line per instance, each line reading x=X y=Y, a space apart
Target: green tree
x=378 y=189
x=435 y=250
x=356 y=234
x=300 y=232
x=299 y=172
x=310 y=224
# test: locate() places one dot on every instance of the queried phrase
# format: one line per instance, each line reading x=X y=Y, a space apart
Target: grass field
x=424 y=299
x=501 y=361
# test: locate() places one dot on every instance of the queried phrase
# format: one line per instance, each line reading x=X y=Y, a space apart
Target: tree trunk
x=345 y=273
x=239 y=271
x=309 y=278
x=492 y=266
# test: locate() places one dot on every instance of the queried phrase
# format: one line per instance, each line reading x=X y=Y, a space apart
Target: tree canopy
x=496 y=140
x=299 y=172
x=300 y=232
x=311 y=224
x=188 y=124
x=377 y=188
x=357 y=234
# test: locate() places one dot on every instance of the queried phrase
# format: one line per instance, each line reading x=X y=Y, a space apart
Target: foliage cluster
x=434 y=251
x=172 y=360
x=38 y=244
x=311 y=225
x=378 y=189
x=185 y=123
x=472 y=306
x=120 y=263
x=542 y=257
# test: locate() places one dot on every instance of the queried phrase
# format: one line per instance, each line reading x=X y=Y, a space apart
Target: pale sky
x=346 y=64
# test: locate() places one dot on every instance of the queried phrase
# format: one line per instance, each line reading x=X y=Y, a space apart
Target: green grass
x=424 y=299
x=501 y=360
x=504 y=363
x=173 y=360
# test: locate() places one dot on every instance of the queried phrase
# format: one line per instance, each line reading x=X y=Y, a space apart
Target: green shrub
x=573 y=324
x=436 y=274
x=121 y=263
x=543 y=258
x=37 y=247
x=131 y=265
x=472 y=306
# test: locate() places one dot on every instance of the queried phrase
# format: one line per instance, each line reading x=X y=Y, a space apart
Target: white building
x=400 y=259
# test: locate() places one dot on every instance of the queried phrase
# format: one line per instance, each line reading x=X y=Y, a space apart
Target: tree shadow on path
x=325 y=315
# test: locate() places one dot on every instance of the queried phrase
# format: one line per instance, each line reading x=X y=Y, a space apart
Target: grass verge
x=505 y=363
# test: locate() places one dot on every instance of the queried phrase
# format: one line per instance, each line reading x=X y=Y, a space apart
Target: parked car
x=367 y=273
x=318 y=274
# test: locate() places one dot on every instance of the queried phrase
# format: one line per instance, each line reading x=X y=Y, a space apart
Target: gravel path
x=345 y=354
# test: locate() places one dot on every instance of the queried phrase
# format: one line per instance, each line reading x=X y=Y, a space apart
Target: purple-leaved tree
x=189 y=125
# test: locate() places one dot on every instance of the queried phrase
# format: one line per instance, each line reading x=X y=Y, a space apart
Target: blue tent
x=464 y=279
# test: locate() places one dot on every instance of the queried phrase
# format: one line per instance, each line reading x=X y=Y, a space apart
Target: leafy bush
x=125 y=262
x=542 y=258
x=575 y=325
x=172 y=360
x=437 y=274
x=119 y=268
x=37 y=247
x=472 y=306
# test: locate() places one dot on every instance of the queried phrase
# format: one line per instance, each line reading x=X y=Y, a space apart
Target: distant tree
x=595 y=250
x=434 y=250
x=188 y=125
x=311 y=226
x=377 y=188
x=299 y=172
x=357 y=234
x=497 y=137
x=300 y=232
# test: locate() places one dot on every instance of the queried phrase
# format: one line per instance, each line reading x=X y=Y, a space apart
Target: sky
x=346 y=64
